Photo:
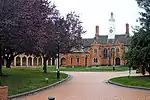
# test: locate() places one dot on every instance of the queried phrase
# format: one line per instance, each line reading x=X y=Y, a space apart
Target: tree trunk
x=1 y=61
x=8 y=63
x=143 y=70
x=1 y=67
x=9 y=60
x=44 y=65
x=148 y=70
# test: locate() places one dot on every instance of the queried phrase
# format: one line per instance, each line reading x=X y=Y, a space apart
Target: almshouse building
x=100 y=50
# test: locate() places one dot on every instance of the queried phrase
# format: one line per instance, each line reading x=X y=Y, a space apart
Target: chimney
x=97 y=30
x=127 y=30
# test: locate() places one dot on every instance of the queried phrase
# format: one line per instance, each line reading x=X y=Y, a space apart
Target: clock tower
x=111 y=33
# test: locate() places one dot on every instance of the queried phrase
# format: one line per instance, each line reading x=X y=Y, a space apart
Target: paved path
x=91 y=86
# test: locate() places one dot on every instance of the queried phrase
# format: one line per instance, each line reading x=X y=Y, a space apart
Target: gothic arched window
x=117 y=49
x=105 y=53
x=111 y=52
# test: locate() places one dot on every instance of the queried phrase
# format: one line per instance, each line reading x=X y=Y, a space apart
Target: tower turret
x=111 y=33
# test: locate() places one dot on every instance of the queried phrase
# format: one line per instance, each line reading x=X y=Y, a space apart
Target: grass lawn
x=142 y=81
x=97 y=69
x=21 y=80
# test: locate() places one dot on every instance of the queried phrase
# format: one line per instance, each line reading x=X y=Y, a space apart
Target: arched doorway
x=117 y=61
x=49 y=62
x=30 y=61
x=63 y=61
x=35 y=61
x=53 y=61
x=24 y=61
x=18 y=63
x=40 y=61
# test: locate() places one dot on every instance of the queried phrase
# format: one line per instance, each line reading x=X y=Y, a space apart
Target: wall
x=3 y=93
x=98 y=55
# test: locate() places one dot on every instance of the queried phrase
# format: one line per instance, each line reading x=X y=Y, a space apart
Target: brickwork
x=91 y=55
x=3 y=93
x=99 y=50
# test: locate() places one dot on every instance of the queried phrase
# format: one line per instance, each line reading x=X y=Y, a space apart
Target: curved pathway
x=90 y=86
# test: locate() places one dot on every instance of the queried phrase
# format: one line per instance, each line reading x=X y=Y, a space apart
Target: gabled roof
x=87 y=42
x=103 y=39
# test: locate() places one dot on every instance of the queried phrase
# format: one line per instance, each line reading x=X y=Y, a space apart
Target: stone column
x=42 y=60
x=15 y=62
x=51 y=60
x=32 y=60
x=27 y=61
x=47 y=62
x=37 y=61
x=3 y=93
x=21 y=61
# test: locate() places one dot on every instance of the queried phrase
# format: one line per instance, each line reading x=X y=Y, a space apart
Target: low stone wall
x=3 y=93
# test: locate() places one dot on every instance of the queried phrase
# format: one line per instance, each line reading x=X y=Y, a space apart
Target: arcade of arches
x=31 y=60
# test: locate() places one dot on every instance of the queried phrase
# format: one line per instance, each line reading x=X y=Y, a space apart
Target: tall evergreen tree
x=139 y=51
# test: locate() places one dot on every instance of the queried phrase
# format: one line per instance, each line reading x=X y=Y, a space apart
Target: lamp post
x=113 y=51
x=58 y=72
x=113 y=55
x=113 y=59
x=1 y=57
x=126 y=49
x=109 y=56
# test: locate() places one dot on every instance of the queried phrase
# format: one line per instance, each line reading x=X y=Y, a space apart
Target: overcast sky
x=97 y=12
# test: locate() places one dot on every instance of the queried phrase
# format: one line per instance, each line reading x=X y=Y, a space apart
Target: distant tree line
x=36 y=27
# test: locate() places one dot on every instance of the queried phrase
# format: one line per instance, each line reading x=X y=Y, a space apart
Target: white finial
x=112 y=14
x=112 y=17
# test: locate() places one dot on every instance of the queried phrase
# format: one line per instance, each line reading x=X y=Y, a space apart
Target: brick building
x=100 y=50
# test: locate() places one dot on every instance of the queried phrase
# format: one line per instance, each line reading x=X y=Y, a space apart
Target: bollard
x=51 y=98
x=113 y=68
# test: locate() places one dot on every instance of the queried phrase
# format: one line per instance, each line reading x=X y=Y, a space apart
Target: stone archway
x=40 y=61
x=18 y=61
x=29 y=61
x=63 y=61
x=35 y=61
x=53 y=61
x=24 y=59
x=49 y=62
x=117 y=61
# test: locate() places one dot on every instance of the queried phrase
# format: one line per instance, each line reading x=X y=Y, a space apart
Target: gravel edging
x=127 y=86
x=39 y=89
